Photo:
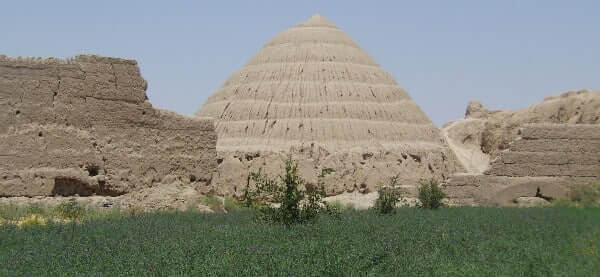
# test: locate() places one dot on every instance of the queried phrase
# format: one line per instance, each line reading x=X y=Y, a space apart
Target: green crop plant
x=282 y=200
x=430 y=194
x=388 y=196
x=457 y=241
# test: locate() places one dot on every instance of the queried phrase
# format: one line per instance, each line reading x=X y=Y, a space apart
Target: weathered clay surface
x=313 y=93
x=83 y=126
x=484 y=134
x=531 y=202
x=548 y=160
x=571 y=150
x=465 y=138
x=362 y=201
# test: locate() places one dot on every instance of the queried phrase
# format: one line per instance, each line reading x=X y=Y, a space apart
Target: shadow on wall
x=68 y=186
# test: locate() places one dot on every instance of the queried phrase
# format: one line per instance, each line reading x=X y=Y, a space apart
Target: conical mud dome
x=313 y=88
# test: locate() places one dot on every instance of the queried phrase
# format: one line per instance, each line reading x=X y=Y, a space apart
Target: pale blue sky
x=507 y=54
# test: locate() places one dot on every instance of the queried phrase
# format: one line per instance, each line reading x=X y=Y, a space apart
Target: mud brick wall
x=550 y=159
x=552 y=150
x=85 y=126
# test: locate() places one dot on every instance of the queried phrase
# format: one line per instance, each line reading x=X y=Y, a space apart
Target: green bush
x=339 y=206
x=430 y=194
x=213 y=202
x=70 y=210
x=281 y=200
x=232 y=205
x=389 y=196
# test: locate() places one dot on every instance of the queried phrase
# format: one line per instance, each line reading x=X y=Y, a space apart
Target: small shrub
x=335 y=205
x=389 y=195
x=214 y=203
x=232 y=205
x=294 y=205
x=257 y=197
x=430 y=194
x=70 y=210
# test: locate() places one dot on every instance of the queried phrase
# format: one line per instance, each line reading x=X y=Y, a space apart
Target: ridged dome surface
x=312 y=85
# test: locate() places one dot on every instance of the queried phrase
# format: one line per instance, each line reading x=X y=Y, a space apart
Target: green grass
x=416 y=242
x=14 y=212
x=213 y=202
x=232 y=205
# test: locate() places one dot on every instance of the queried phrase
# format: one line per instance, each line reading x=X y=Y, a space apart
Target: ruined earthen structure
x=84 y=126
x=546 y=161
x=314 y=93
x=483 y=133
x=545 y=150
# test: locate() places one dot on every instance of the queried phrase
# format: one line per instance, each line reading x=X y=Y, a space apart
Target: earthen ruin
x=312 y=92
x=544 y=150
x=83 y=126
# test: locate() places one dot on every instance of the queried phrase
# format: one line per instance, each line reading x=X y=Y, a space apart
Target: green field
x=447 y=242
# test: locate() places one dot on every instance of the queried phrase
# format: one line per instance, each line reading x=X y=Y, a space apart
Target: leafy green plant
x=430 y=194
x=281 y=200
x=389 y=195
x=257 y=197
x=337 y=205
x=36 y=209
x=213 y=202
x=70 y=210
x=232 y=205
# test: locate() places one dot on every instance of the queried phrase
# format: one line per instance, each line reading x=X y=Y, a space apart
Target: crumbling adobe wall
x=547 y=160
x=483 y=134
x=359 y=171
x=84 y=126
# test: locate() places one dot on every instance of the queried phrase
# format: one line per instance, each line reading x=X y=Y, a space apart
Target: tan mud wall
x=360 y=171
x=84 y=126
x=483 y=134
x=551 y=157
